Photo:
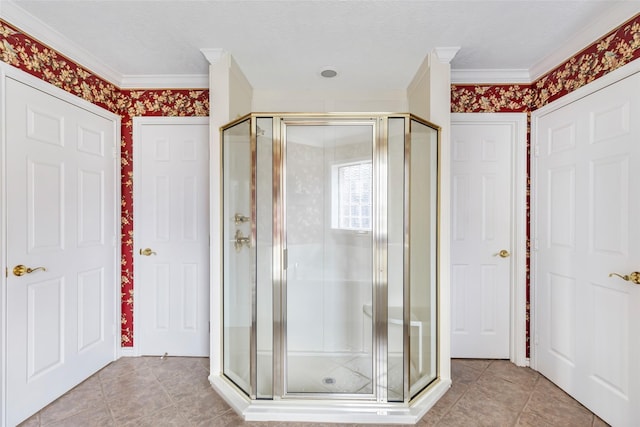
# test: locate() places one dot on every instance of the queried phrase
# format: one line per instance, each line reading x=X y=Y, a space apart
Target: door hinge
x=115 y=152
x=209 y=326
x=285 y=259
x=536 y=150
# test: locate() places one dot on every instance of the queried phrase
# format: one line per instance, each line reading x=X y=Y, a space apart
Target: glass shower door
x=328 y=182
x=238 y=254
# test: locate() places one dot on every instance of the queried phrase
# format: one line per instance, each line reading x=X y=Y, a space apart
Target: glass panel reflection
x=238 y=255
x=422 y=255
x=264 y=258
x=328 y=184
x=395 y=258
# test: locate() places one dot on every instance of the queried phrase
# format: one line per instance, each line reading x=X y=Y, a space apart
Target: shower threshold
x=332 y=411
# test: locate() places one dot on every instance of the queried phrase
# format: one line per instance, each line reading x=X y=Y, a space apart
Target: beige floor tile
x=168 y=417
x=95 y=417
x=458 y=417
x=124 y=366
x=86 y=396
x=227 y=419
x=477 y=364
x=175 y=391
x=513 y=395
x=531 y=419
x=557 y=408
x=461 y=373
x=33 y=421
x=443 y=405
x=483 y=408
x=508 y=371
x=139 y=380
x=597 y=422
x=170 y=367
x=142 y=403
x=205 y=406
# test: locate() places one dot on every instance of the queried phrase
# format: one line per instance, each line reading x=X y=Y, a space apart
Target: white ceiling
x=284 y=44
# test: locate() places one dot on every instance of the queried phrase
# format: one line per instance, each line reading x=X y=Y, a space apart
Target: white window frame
x=335 y=196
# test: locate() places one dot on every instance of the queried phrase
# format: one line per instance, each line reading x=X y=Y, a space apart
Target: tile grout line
x=171 y=399
x=461 y=395
x=104 y=395
x=533 y=389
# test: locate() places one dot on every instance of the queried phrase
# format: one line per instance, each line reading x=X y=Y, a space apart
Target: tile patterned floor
x=148 y=391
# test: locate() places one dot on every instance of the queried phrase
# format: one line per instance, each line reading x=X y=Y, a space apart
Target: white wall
x=329 y=101
x=230 y=95
x=429 y=97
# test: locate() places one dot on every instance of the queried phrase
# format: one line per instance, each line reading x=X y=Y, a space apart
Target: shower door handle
x=285 y=259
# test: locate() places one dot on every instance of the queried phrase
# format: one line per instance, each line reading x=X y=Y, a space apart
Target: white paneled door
x=484 y=247
x=61 y=246
x=587 y=226
x=171 y=205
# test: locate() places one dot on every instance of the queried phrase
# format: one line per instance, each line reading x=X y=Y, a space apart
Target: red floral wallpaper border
x=615 y=49
x=27 y=54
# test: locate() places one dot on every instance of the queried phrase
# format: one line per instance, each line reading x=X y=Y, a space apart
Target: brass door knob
x=504 y=253
x=633 y=277
x=21 y=270
x=147 y=252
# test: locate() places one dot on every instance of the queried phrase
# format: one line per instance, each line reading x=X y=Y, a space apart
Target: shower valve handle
x=239 y=219
x=241 y=240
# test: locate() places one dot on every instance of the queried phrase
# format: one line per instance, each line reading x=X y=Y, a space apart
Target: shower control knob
x=239 y=218
x=241 y=241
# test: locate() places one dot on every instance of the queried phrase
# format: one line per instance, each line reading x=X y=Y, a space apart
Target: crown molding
x=492 y=76
x=619 y=13
x=616 y=15
x=446 y=54
x=165 y=81
x=213 y=54
x=37 y=29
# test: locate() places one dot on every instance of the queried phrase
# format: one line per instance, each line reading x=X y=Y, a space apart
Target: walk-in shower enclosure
x=329 y=283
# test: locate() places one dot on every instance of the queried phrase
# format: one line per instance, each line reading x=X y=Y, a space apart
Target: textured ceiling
x=284 y=44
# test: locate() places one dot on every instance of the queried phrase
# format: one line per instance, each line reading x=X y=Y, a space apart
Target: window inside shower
x=351 y=188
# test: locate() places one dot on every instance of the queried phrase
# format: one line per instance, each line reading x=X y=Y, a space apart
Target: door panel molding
x=39 y=121
x=518 y=319
x=594 y=363
x=188 y=210
x=607 y=80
